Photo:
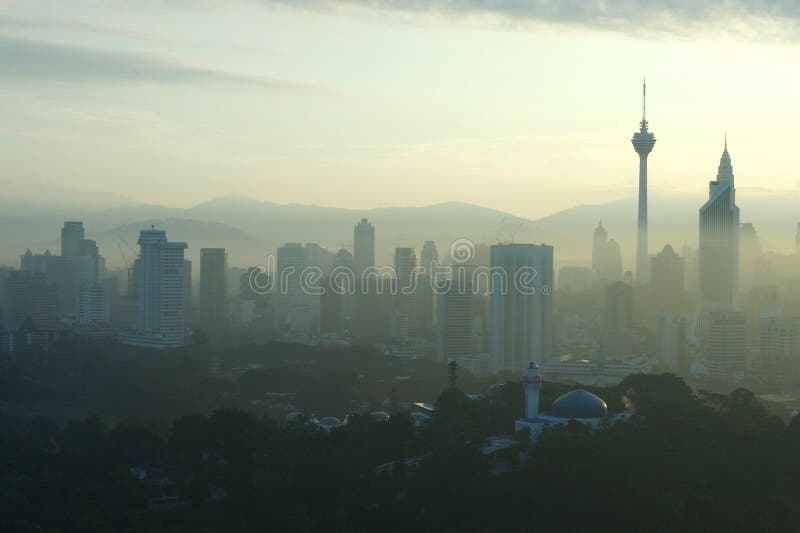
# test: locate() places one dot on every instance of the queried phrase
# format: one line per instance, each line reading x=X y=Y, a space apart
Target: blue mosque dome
x=579 y=404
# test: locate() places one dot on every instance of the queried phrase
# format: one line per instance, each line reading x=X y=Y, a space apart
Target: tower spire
x=644 y=99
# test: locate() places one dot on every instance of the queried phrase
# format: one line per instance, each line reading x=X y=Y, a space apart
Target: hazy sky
x=523 y=106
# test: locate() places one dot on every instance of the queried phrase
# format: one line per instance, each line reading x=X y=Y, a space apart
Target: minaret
x=643 y=142
x=533 y=383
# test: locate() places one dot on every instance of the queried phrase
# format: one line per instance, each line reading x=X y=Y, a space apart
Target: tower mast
x=643 y=142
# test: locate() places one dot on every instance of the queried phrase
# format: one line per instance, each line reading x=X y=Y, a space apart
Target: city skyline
x=307 y=115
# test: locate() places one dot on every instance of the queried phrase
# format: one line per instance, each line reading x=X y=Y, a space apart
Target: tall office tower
x=66 y=273
x=28 y=295
x=719 y=244
x=429 y=258
x=455 y=336
x=725 y=355
x=291 y=262
x=599 y=241
x=606 y=256
x=343 y=260
x=780 y=348
x=619 y=307
x=666 y=281
x=320 y=257
x=187 y=290
x=522 y=312
x=780 y=339
x=749 y=256
x=132 y=291
x=160 y=322
x=292 y=305
x=88 y=248
x=671 y=343
x=92 y=303
x=689 y=256
x=405 y=261
x=618 y=338
x=363 y=246
x=213 y=286
x=71 y=233
x=408 y=293
x=36 y=263
x=643 y=142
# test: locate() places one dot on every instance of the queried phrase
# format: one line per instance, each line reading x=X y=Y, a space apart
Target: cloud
x=629 y=16
x=26 y=60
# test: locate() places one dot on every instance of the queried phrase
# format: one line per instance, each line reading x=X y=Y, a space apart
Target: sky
x=527 y=107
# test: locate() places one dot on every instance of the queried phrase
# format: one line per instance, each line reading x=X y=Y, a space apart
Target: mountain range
x=250 y=229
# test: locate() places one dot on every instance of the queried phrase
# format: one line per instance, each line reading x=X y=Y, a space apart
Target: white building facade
x=521 y=305
x=160 y=322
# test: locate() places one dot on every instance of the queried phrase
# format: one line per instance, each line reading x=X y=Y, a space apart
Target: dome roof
x=495 y=392
x=579 y=404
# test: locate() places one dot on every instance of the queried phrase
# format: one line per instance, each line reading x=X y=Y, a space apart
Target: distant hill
x=251 y=229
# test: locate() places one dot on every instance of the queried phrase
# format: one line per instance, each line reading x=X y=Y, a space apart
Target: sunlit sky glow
x=529 y=110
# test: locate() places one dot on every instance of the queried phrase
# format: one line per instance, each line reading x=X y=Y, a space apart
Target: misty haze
x=344 y=265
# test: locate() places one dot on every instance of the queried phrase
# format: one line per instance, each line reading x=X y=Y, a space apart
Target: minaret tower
x=533 y=383
x=643 y=142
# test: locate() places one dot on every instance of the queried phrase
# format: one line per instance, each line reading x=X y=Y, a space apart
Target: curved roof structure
x=579 y=404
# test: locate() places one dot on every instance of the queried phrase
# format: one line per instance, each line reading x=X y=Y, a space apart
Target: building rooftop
x=579 y=404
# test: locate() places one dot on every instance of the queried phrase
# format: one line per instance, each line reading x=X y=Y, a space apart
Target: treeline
x=687 y=462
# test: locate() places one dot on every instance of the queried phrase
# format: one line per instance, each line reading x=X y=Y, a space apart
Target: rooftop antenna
x=644 y=99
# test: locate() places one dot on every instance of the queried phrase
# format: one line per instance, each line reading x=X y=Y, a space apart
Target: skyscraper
x=725 y=356
x=408 y=304
x=671 y=343
x=618 y=308
x=71 y=233
x=213 y=285
x=160 y=276
x=187 y=290
x=88 y=248
x=643 y=142
x=29 y=295
x=429 y=257
x=606 y=256
x=292 y=303
x=618 y=314
x=454 y=327
x=749 y=256
x=405 y=261
x=363 y=247
x=666 y=282
x=91 y=303
x=719 y=243
x=521 y=319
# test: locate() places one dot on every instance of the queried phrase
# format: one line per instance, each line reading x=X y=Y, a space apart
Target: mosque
x=579 y=405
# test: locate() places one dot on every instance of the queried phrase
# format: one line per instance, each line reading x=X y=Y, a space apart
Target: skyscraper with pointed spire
x=719 y=243
x=643 y=142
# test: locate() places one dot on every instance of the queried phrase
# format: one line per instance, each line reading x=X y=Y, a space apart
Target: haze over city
x=384 y=265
